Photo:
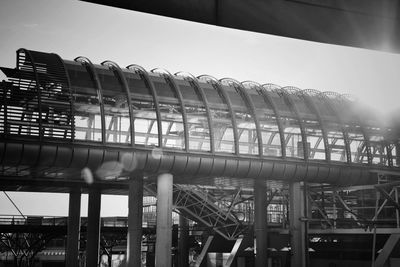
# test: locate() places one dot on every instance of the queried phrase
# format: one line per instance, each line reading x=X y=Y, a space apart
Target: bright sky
x=73 y=28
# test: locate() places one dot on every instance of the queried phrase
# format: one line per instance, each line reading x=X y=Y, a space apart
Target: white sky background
x=73 y=28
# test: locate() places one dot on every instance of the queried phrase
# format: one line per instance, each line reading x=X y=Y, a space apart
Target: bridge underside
x=359 y=23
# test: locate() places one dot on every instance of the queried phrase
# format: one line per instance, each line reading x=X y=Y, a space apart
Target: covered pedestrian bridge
x=72 y=125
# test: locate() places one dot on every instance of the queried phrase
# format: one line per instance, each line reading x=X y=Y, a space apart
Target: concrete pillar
x=260 y=222
x=183 y=245
x=135 y=216
x=297 y=227
x=164 y=220
x=74 y=227
x=93 y=228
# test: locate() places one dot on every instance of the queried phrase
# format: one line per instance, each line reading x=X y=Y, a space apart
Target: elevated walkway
x=58 y=117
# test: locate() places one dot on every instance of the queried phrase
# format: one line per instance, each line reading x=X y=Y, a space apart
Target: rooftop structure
x=231 y=156
x=60 y=116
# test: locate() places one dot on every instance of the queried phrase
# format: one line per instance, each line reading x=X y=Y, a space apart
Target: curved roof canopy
x=72 y=114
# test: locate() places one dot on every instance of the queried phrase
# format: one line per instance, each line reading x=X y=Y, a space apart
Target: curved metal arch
x=292 y=90
x=199 y=89
x=250 y=105
x=93 y=73
x=121 y=77
x=267 y=98
x=72 y=102
x=329 y=97
x=346 y=100
x=29 y=55
x=389 y=152
x=264 y=90
x=306 y=93
x=286 y=93
x=311 y=92
x=167 y=75
x=218 y=86
x=271 y=86
x=143 y=74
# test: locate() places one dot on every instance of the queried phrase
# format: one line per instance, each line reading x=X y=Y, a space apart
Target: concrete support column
x=164 y=220
x=93 y=228
x=297 y=228
x=183 y=245
x=135 y=216
x=74 y=227
x=260 y=222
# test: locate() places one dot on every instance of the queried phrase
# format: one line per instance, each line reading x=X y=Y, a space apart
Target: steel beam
x=135 y=214
x=93 y=227
x=260 y=222
x=386 y=250
x=297 y=227
x=74 y=225
x=183 y=245
x=164 y=220
x=234 y=251
x=204 y=251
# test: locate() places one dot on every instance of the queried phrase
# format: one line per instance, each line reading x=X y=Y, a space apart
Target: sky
x=74 y=28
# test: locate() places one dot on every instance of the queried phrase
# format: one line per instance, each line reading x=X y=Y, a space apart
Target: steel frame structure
x=71 y=114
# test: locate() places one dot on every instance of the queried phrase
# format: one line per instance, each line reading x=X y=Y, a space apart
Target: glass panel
x=221 y=119
x=315 y=140
x=86 y=106
x=291 y=126
x=116 y=110
x=171 y=114
x=357 y=144
x=312 y=127
x=247 y=133
x=396 y=154
x=293 y=139
x=378 y=147
x=268 y=126
x=197 y=122
x=143 y=109
x=337 y=147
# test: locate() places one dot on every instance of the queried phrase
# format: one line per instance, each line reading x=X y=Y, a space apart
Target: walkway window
x=333 y=129
x=247 y=133
x=337 y=146
x=312 y=127
x=268 y=125
x=291 y=126
x=358 y=148
x=378 y=146
x=86 y=104
x=116 y=109
x=396 y=154
x=221 y=119
x=197 y=123
x=144 y=112
x=171 y=114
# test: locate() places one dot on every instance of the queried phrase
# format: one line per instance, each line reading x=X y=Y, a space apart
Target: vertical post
x=396 y=192
x=135 y=214
x=183 y=246
x=297 y=227
x=307 y=214
x=74 y=227
x=335 y=213
x=93 y=228
x=164 y=220
x=260 y=222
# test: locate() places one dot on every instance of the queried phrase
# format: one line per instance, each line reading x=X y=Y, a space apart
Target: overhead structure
x=62 y=119
x=367 y=24
x=207 y=148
